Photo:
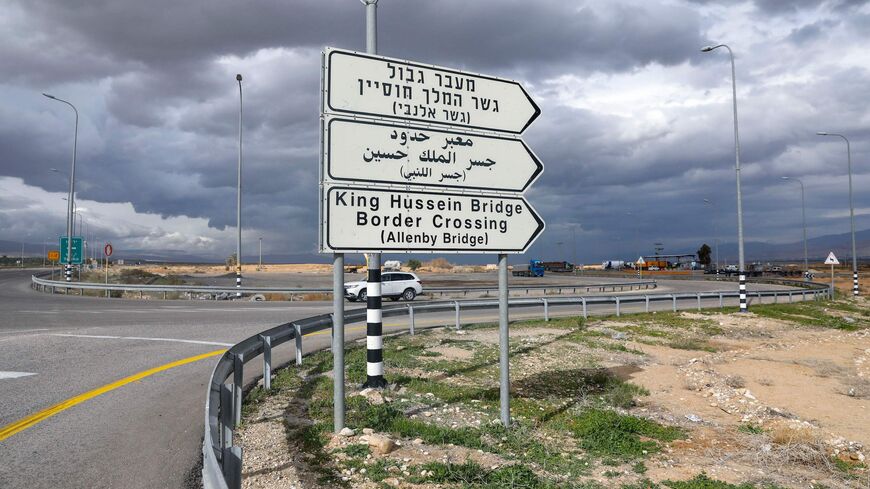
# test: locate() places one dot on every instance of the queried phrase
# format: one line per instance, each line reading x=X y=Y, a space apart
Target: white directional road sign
x=370 y=220
x=364 y=84
x=395 y=153
x=832 y=260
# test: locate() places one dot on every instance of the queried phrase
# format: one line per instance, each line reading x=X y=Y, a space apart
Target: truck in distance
x=535 y=268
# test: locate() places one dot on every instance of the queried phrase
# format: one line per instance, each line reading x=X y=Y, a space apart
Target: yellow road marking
x=33 y=419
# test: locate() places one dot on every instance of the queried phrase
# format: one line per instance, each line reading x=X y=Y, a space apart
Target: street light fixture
x=72 y=185
x=740 y=254
x=239 y=199
x=851 y=210
x=804 y=218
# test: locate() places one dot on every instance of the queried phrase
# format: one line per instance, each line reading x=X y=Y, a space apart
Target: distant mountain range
x=818 y=248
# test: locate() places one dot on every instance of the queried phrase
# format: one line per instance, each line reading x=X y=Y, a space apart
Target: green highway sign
x=77 y=246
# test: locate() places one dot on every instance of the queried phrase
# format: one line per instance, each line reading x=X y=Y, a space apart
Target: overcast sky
x=636 y=125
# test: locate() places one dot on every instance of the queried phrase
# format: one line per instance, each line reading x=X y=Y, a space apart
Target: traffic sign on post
x=77 y=245
x=400 y=153
x=369 y=85
x=107 y=250
x=374 y=220
x=53 y=255
x=832 y=260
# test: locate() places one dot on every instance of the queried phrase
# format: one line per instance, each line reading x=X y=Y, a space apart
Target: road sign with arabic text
x=395 y=153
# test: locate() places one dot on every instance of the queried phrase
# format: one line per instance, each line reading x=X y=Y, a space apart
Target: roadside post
x=417 y=158
x=832 y=260
x=107 y=251
x=53 y=257
x=640 y=263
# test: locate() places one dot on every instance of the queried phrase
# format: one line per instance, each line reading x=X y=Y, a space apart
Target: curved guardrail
x=54 y=285
x=222 y=460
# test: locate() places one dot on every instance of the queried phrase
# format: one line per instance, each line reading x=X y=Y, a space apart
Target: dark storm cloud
x=159 y=105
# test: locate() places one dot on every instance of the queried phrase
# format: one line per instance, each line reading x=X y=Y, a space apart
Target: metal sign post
x=640 y=263
x=419 y=158
x=832 y=260
x=504 y=342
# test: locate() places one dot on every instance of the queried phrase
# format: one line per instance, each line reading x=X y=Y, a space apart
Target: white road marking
x=23 y=331
x=14 y=375
x=171 y=340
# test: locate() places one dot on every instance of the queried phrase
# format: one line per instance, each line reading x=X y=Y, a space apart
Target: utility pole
x=260 y=261
x=239 y=200
x=740 y=253
x=72 y=188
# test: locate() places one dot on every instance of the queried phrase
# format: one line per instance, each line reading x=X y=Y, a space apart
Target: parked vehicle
x=535 y=268
x=394 y=265
x=395 y=285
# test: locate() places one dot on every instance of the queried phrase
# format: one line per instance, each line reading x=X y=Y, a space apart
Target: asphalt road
x=145 y=432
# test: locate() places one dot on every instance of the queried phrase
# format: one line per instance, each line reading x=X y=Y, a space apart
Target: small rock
x=849 y=320
x=382 y=445
x=694 y=418
x=619 y=336
x=368 y=431
x=374 y=396
x=417 y=441
x=346 y=432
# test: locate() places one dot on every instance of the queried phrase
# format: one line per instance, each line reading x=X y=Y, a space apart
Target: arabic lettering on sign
x=382 y=152
x=380 y=86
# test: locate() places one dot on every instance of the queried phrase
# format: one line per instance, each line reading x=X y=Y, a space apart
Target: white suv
x=395 y=285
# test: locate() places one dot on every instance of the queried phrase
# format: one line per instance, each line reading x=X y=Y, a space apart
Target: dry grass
x=438 y=263
x=857 y=387
x=317 y=297
x=795 y=445
x=735 y=381
x=765 y=382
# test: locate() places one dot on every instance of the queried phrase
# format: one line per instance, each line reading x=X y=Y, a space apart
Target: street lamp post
x=72 y=185
x=239 y=199
x=851 y=211
x=260 y=261
x=740 y=254
x=715 y=233
x=804 y=218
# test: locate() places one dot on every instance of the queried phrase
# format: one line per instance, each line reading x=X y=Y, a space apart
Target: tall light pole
x=740 y=254
x=804 y=218
x=239 y=199
x=260 y=262
x=72 y=188
x=715 y=232
x=851 y=211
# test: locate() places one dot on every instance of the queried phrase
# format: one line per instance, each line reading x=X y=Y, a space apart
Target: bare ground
x=774 y=399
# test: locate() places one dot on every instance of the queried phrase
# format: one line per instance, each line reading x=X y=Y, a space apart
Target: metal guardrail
x=54 y=285
x=222 y=460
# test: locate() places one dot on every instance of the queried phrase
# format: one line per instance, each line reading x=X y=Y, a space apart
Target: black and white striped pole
x=374 y=326
x=374 y=323
x=742 y=263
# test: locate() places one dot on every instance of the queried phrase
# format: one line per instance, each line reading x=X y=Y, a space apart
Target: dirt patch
x=755 y=399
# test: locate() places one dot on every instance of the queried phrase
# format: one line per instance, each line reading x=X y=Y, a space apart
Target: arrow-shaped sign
x=365 y=84
x=832 y=260
x=370 y=151
x=366 y=220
